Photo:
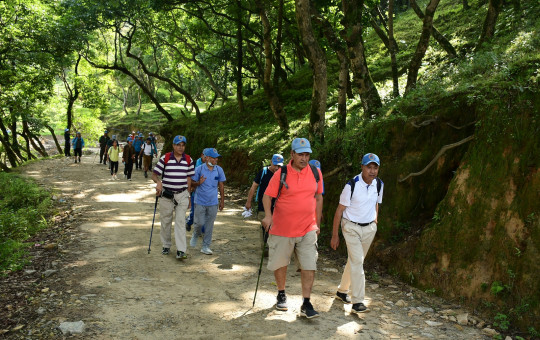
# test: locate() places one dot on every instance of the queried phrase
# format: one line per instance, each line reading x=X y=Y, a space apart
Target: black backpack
x=352 y=183
x=284 y=177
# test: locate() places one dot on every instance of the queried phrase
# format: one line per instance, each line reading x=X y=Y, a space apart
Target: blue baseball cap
x=277 y=159
x=141 y=135
x=179 y=139
x=129 y=139
x=300 y=145
x=371 y=158
x=316 y=163
x=106 y=131
x=113 y=137
x=211 y=152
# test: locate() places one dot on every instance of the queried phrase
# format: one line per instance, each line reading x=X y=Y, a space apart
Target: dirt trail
x=121 y=292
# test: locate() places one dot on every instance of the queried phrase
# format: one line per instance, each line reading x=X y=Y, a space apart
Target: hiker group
x=138 y=151
x=290 y=202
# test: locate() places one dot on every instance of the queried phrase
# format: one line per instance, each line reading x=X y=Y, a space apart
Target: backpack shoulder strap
x=188 y=159
x=315 y=172
x=352 y=183
x=379 y=185
x=282 y=180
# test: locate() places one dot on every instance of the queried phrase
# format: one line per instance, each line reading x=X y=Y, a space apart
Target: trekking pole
x=153 y=219
x=265 y=238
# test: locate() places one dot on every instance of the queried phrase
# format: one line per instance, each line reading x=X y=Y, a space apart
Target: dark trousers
x=78 y=152
x=114 y=167
x=140 y=161
x=129 y=168
x=102 y=155
x=67 y=149
x=137 y=161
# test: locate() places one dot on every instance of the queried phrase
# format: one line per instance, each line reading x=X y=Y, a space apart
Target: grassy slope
x=433 y=227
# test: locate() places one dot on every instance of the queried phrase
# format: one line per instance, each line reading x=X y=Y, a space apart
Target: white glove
x=246 y=213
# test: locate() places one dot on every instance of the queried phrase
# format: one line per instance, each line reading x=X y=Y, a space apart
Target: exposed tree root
x=461 y=127
x=439 y=154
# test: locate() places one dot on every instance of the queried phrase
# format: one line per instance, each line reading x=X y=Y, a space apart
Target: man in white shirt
x=357 y=213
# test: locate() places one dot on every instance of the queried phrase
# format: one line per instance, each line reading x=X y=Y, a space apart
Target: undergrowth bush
x=24 y=208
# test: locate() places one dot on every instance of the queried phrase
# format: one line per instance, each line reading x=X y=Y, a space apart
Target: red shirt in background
x=295 y=210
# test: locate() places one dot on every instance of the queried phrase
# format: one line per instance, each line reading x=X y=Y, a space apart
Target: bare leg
x=281 y=276
x=307 y=277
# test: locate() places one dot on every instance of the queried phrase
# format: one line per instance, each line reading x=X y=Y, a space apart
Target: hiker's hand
x=318 y=231
x=248 y=205
x=189 y=204
x=334 y=242
x=159 y=188
x=202 y=179
x=221 y=205
x=266 y=223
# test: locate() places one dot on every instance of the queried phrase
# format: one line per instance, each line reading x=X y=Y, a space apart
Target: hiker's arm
x=159 y=185
x=376 y=213
x=267 y=203
x=334 y=242
x=318 y=210
x=221 y=186
x=250 y=195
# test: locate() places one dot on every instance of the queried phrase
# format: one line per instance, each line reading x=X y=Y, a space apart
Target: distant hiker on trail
x=128 y=156
x=67 y=140
x=78 y=145
x=153 y=142
x=103 y=140
x=113 y=155
x=137 y=144
x=209 y=178
x=189 y=220
x=357 y=213
x=260 y=183
x=109 y=145
x=146 y=153
x=172 y=175
x=262 y=178
x=295 y=222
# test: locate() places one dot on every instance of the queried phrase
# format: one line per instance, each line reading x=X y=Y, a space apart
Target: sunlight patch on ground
x=119 y=197
x=349 y=329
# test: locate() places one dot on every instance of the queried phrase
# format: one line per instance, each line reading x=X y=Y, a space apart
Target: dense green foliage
x=24 y=210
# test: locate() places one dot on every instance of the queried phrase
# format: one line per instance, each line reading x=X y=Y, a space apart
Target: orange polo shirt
x=295 y=210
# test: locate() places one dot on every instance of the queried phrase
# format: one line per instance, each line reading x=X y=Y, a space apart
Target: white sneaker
x=206 y=250
x=193 y=241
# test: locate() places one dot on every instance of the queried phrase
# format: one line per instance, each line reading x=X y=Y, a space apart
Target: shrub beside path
x=101 y=274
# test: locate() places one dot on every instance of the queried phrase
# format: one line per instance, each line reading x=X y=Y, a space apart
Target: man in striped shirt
x=172 y=175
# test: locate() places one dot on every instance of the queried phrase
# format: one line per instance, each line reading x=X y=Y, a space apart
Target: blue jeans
x=189 y=220
x=205 y=216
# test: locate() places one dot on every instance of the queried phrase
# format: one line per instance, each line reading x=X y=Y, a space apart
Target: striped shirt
x=176 y=173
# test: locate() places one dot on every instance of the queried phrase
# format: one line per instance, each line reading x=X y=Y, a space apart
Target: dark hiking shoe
x=145 y=174
x=343 y=297
x=359 y=308
x=165 y=251
x=181 y=255
x=308 y=311
x=281 y=303
x=188 y=228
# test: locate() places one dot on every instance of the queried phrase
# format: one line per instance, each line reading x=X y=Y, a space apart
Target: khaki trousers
x=358 y=240
x=166 y=209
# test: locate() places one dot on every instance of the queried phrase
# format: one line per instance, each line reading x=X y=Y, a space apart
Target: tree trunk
x=341 y=51
x=239 y=60
x=4 y=139
x=422 y=46
x=36 y=144
x=276 y=56
x=393 y=49
x=317 y=61
x=139 y=101
x=488 y=30
x=273 y=98
x=445 y=44
x=352 y=21
x=51 y=130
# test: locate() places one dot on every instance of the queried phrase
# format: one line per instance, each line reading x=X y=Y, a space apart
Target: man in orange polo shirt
x=294 y=224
